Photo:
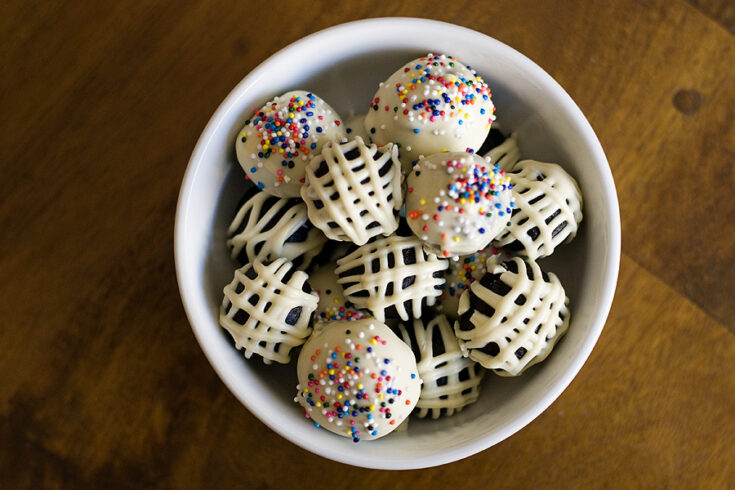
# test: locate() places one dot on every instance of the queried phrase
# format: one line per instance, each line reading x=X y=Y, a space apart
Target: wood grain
x=722 y=11
x=103 y=382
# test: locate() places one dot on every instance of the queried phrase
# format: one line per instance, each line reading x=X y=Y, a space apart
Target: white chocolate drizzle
x=267 y=311
x=351 y=200
x=392 y=272
x=525 y=323
x=550 y=209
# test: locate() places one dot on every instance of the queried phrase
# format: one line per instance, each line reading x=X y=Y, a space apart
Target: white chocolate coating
x=275 y=145
x=353 y=191
x=355 y=126
x=506 y=154
x=267 y=227
x=332 y=302
x=457 y=202
x=549 y=207
x=392 y=273
x=357 y=379
x=431 y=104
x=524 y=324
x=267 y=311
x=450 y=380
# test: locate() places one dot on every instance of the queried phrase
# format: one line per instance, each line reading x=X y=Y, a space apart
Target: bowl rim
x=197 y=311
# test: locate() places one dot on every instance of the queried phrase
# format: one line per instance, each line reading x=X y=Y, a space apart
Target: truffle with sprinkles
x=462 y=272
x=457 y=202
x=332 y=303
x=281 y=137
x=432 y=104
x=357 y=379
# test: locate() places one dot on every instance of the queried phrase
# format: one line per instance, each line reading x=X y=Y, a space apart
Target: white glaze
x=267 y=171
x=361 y=362
x=355 y=126
x=454 y=89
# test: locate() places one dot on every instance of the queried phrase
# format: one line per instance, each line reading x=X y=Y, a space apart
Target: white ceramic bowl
x=344 y=65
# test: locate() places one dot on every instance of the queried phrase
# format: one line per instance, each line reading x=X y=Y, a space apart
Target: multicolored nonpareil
x=430 y=105
x=357 y=379
x=278 y=140
x=457 y=202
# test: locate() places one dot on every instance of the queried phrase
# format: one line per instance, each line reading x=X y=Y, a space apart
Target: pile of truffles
x=400 y=266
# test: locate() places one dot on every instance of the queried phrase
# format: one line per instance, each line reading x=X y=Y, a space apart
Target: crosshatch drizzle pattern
x=267 y=309
x=266 y=227
x=450 y=380
x=392 y=277
x=353 y=191
x=512 y=317
x=548 y=209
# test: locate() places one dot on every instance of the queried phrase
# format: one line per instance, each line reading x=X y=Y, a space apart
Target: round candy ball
x=357 y=379
x=279 y=139
x=457 y=202
x=431 y=104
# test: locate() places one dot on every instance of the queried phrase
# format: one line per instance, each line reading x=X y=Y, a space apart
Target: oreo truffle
x=547 y=212
x=392 y=277
x=266 y=227
x=511 y=318
x=353 y=191
x=450 y=380
x=357 y=379
x=431 y=104
x=278 y=140
x=457 y=202
x=267 y=309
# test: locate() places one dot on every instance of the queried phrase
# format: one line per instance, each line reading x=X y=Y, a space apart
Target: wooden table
x=103 y=384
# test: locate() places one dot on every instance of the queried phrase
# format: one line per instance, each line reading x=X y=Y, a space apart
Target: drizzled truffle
x=266 y=227
x=548 y=209
x=267 y=309
x=512 y=317
x=450 y=380
x=392 y=277
x=353 y=191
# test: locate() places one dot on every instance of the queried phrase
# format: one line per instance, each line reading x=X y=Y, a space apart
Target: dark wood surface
x=103 y=384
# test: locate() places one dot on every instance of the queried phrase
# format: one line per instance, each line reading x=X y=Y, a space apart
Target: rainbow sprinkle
x=474 y=189
x=285 y=132
x=347 y=392
x=339 y=311
x=448 y=97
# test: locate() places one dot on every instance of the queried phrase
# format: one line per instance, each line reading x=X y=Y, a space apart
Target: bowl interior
x=344 y=65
